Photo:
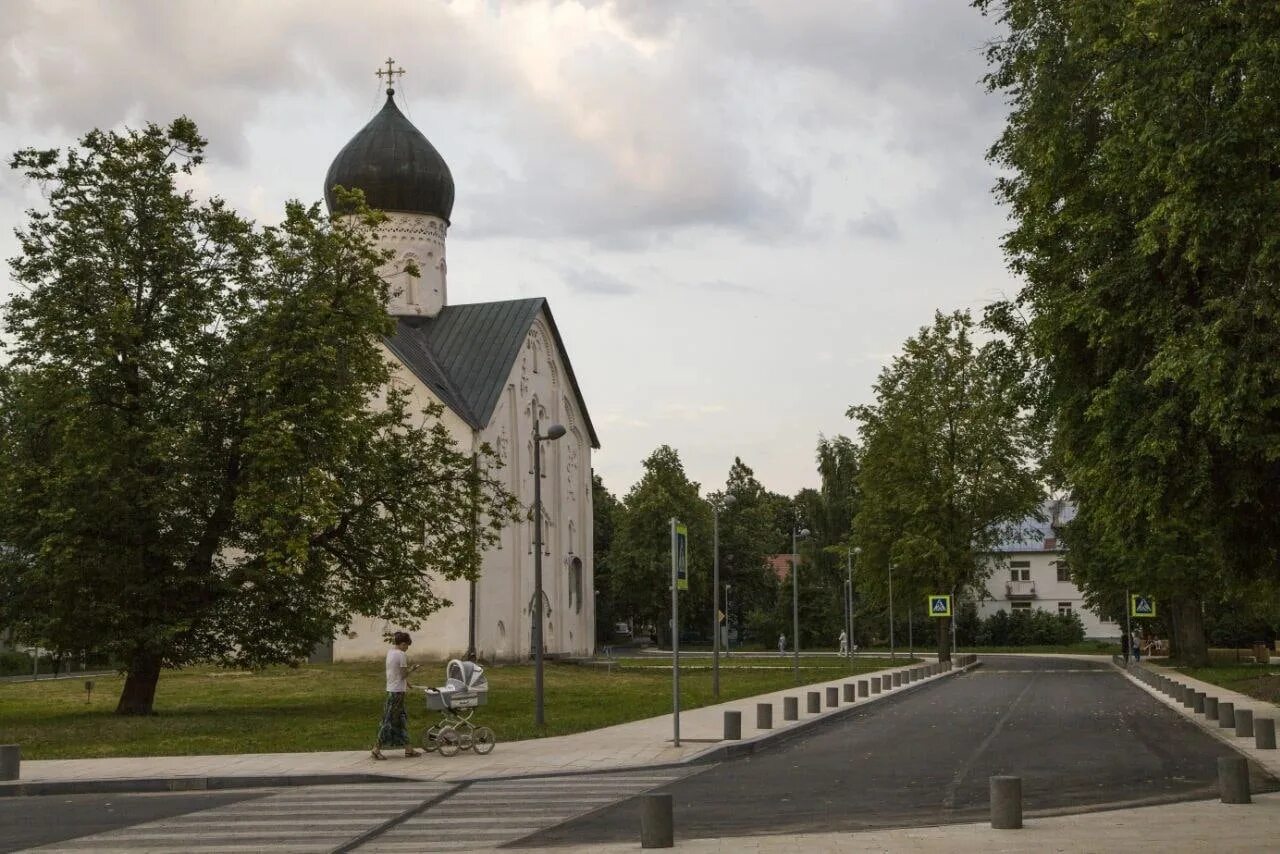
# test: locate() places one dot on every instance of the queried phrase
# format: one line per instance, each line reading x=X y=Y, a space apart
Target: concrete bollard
x=833 y=697
x=10 y=761
x=1244 y=723
x=897 y=679
x=815 y=703
x=1197 y=705
x=1188 y=696
x=732 y=725
x=1006 y=803
x=875 y=684
x=862 y=687
x=1211 y=708
x=1226 y=714
x=850 y=692
x=1233 y=780
x=656 y=827
x=764 y=715
x=1264 y=733
x=791 y=708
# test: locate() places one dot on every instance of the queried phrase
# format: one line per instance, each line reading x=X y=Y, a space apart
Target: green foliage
x=605 y=511
x=1030 y=627
x=944 y=466
x=640 y=559
x=190 y=467
x=747 y=537
x=1140 y=161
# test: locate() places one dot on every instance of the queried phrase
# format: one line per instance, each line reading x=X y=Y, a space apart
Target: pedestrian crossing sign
x=940 y=606
x=1142 y=606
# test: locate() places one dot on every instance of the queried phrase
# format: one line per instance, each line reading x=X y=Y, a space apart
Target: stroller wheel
x=483 y=740
x=448 y=741
x=429 y=743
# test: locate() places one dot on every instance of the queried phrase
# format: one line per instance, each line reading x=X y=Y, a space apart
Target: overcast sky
x=738 y=210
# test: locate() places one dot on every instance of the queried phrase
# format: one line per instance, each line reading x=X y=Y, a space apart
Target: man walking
x=782 y=644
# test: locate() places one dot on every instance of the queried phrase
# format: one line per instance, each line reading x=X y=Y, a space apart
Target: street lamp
x=891 y=649
x=724 y=502
x=795 y=600
x=850 y=555
x=555 y=431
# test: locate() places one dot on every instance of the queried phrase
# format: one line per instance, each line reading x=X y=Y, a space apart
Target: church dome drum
x=395 y=166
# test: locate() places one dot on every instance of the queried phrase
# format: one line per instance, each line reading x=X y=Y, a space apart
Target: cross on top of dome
x=391 y=73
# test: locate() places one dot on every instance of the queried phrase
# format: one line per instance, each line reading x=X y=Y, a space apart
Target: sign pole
x=675 y=640
x=1128 y=624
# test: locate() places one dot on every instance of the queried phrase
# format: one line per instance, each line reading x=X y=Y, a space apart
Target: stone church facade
x=496 y=368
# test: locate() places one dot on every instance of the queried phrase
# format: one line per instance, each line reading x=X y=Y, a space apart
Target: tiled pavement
x=637 y=744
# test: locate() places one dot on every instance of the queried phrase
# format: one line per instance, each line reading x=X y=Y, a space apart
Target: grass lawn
x=337 y=706
x=1261 y=681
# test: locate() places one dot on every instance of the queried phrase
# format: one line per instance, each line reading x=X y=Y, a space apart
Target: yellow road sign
x=939 y=605
x=720 y=616
x=1142 y=606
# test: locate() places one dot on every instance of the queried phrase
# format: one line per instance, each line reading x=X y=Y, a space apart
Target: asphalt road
x=1079 y=734
x=29 y=821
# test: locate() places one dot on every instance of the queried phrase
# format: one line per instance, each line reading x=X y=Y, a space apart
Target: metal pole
x=911 y=641
x=1128 y=623
x=537 y=577
x=848 y=558
x=892 y=653
x=955 y=604
x=675 y=643
x=795 y=608
x=715 y=604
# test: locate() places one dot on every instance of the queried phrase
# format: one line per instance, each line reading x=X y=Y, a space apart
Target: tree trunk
x=944 y=637
x=139 y=694
x=1188 y=630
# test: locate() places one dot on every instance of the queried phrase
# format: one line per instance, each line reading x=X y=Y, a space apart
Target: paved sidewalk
x=638 y=744
x=1197 y=826
x=1266 y=759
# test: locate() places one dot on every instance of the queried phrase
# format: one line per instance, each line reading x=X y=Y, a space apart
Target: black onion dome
x=395 y=165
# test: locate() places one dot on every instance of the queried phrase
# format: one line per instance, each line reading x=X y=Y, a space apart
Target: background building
x=1029 y=572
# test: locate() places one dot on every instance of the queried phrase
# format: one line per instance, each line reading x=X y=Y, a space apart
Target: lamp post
x=892 y=656
x=795 y=600
x=555 y=431
x=724 y=502
x=849 y=556
x=727 y=612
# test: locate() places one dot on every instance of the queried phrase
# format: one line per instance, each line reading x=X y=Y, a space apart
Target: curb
x=749 y=746
x=142 y=785
x=716 y=753
x=1226 y=735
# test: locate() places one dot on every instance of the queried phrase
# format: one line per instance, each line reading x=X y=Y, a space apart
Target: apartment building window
x=1064 y=572
x=1020 y=606
x=1020 y=570
x=1064 y=609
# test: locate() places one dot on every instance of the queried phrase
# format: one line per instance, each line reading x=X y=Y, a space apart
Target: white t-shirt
x=397 y=664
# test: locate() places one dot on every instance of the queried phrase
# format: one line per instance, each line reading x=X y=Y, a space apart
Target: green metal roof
x=465 y=354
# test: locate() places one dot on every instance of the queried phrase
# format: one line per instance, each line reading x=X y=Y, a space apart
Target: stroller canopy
x=466 y=676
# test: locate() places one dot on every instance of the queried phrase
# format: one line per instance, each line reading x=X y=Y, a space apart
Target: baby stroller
x=464 y=691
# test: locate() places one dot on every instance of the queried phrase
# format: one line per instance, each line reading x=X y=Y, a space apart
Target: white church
x=495 y=367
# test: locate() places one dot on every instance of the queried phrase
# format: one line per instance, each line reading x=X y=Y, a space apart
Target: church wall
x=435 y=638
x=537 y=385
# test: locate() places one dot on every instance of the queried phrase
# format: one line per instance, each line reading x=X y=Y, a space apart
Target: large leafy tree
x=190 y=465
x=605 y=512
x=747 y=538
x=946 y=464
x=1142 y=166
x=640 y=560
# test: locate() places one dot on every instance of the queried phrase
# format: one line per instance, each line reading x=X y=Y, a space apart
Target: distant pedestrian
x=1136 y=645
x=844 y=643
x=1124 y=646
x=782 y=644
x=394 y=730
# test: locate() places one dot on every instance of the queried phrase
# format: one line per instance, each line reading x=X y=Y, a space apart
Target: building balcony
x=1020 y=591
